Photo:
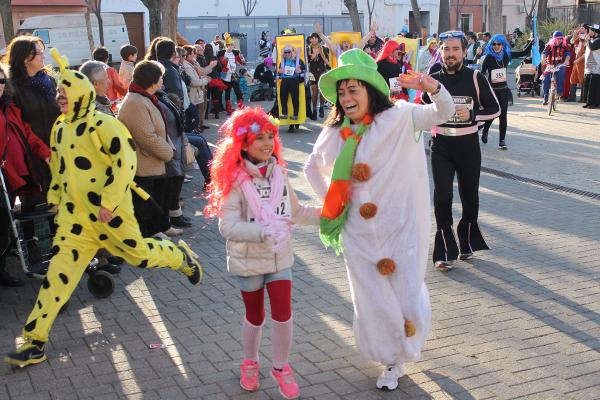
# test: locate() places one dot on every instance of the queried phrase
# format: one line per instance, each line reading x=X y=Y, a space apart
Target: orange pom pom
x=368 y=210
x=346 y=132
x=361 y=172
x=386 y=266
x=367 y=119
x=409 y=328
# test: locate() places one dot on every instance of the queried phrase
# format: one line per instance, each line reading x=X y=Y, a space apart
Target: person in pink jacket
x=257 y=208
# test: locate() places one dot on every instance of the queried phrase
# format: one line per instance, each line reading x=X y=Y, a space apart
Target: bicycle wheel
x=551 y=102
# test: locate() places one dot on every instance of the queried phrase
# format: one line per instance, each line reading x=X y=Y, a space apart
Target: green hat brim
x=329 y=79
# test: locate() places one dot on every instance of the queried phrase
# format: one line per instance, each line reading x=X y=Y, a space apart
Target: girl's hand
x=47 y=160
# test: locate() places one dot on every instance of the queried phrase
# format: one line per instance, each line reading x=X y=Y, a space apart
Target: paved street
x=519 y=321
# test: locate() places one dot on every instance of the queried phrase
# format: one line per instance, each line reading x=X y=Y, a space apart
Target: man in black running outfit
x=455 y=150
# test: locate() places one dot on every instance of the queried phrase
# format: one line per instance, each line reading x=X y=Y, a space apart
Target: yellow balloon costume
x=93 y=163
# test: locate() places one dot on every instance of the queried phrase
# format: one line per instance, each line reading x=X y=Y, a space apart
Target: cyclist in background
x=556 y=53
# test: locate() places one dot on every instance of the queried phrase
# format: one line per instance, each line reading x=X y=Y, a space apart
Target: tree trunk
x=7 y=21
x=542 y=14
x=155 y=16
x=417 y=14
x=353 y=9
x=98 y=12
x=169 y=18
x=495 y=17
x=88 y=27
x=444 y=16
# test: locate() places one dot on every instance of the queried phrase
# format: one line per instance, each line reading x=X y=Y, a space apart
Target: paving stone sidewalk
x=520 y=321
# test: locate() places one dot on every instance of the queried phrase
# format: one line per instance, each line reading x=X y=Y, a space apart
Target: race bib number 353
x=498 y=75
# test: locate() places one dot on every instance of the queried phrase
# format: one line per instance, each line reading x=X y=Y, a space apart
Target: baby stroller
x=527 y=79
x=34 y=253
x=261 y=92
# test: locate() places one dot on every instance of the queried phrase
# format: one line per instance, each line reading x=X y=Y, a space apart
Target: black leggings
x=503 y=96
x=290 y=86
x=175 y=192
x=460 y=156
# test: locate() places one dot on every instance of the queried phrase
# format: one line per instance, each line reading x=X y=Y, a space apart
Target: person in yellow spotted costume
x=93 y=163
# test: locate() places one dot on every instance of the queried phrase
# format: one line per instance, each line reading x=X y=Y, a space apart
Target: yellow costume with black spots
x=93 y=163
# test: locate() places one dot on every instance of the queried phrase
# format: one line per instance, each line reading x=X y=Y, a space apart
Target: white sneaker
x=443 y=266
x=173 y=232
x=388 y=380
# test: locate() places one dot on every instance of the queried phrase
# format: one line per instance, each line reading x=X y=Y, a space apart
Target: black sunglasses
x=496 y=44
x=3 y=81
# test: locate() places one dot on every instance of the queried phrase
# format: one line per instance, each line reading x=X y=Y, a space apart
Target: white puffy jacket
x=248 y=253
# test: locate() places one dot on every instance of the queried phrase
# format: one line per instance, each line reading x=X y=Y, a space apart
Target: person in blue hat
x=556 y=54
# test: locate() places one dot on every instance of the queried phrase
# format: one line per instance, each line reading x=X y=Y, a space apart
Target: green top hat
x=352 y=64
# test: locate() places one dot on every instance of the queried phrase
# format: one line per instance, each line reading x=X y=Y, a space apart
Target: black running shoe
x=30 y=352
x=503 y=145
x=484 y=136
x=192 y=270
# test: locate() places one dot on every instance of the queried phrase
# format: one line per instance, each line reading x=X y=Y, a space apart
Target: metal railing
x=583 y=14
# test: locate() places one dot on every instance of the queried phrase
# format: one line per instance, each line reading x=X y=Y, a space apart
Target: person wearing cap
x=230 y=59
x=556 y=54
x=263 y=72
x=291 y=72
x=455 y=151
x=370 y=168
x=264 y=45
x=318 y=62
x=591 y=80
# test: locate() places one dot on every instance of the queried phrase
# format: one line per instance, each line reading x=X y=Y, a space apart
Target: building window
x=466 y=22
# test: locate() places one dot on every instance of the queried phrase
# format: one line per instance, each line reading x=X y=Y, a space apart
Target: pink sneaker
x=249 y=380
x=287 y=383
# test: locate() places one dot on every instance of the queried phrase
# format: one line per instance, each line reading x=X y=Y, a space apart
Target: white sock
x=281 y=338
x=175 y=213
x=251 y=336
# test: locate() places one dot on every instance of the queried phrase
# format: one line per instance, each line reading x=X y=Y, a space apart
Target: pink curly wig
x=237 y=132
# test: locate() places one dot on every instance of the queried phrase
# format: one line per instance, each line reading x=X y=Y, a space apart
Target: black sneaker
x=112 y=269
x=484 y=136
x=180 y=222
x=193 y=269
x=115 y=260
x=466 y=256
x=291 y=128
x=283 y=116
x=502 y=145
x=30 y=352
x=321 y=112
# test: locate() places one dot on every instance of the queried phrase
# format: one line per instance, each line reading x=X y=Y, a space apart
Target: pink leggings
x=280 y=296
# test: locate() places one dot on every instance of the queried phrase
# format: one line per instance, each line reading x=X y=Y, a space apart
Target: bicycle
x=552 y=95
